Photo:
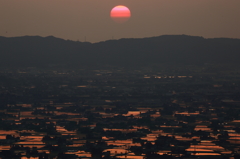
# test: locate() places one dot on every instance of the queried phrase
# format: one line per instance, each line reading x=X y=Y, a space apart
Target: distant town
x=148 y=113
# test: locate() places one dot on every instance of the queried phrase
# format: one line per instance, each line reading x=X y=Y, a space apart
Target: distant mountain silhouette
x=176 y=49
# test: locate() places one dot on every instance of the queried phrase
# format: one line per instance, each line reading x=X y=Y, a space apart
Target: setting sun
x=120 y=14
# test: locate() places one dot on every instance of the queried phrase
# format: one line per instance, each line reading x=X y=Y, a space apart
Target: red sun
x=120 y=14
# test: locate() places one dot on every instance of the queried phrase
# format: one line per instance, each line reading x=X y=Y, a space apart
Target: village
x=119 y=113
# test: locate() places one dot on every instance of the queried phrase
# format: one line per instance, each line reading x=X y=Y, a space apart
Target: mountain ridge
x=177 y=49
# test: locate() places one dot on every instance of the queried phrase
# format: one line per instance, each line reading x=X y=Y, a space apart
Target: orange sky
x=76 y=19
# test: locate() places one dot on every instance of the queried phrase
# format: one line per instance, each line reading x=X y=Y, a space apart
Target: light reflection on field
x=206 y=147
x=131 y=157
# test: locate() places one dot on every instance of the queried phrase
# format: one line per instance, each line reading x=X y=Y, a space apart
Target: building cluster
x=120 y=113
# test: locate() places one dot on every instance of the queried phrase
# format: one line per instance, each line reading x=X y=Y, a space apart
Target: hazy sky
x=75 y=19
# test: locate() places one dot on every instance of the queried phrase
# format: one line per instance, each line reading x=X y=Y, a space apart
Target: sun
x=120 y=14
